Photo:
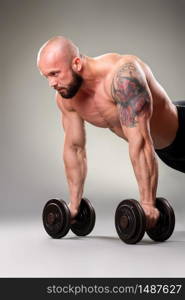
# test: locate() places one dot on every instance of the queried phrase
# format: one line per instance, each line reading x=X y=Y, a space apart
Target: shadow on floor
x=146 y=242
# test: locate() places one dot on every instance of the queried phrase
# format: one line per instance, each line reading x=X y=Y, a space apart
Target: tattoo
x=130 y=94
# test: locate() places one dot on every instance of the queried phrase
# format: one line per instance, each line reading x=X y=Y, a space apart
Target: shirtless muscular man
x=118 y=92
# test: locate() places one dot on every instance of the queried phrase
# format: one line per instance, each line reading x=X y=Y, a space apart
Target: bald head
x=58 y=47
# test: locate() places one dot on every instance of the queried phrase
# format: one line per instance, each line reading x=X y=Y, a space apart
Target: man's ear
x=77 y=64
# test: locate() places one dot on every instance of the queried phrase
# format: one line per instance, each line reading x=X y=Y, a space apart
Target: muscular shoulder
x=63 y=104
x=130 y=91
x=129 y=62
x=125 y=63
x=130 y=69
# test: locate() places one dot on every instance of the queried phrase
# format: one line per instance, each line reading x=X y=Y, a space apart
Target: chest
x=97 y=109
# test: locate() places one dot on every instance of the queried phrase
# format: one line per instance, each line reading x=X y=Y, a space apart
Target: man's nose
x=53 y=83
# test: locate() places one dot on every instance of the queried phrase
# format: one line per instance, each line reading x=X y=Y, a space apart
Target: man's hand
x=73 y=210
x=152 y=215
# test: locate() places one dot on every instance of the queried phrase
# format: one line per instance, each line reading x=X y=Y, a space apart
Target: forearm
x=76 y=171
x=146 y=171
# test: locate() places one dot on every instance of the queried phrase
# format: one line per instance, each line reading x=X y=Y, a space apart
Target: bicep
x=74 y=129
x=73 y=125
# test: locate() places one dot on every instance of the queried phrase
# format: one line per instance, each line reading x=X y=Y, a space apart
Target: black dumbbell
x=130 y=221
x=57 y=218
x=166 y=223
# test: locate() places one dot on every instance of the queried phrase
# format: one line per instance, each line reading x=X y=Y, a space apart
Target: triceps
x=130 y=93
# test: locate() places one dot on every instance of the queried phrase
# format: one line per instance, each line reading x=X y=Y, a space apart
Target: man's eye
x=54 y=74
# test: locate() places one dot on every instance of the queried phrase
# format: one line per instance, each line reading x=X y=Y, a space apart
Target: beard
x=73 y=87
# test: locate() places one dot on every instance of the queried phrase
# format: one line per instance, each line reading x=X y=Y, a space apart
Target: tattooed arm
x=134 y=103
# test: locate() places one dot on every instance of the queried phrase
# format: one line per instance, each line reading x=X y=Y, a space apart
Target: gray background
x=32 y=170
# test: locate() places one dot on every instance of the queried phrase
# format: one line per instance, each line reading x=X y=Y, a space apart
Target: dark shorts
x=174 y=155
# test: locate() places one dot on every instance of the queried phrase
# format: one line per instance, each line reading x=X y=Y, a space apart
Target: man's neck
x=92 y=73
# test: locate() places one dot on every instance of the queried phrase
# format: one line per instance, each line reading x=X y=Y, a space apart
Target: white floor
x=27 y=251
